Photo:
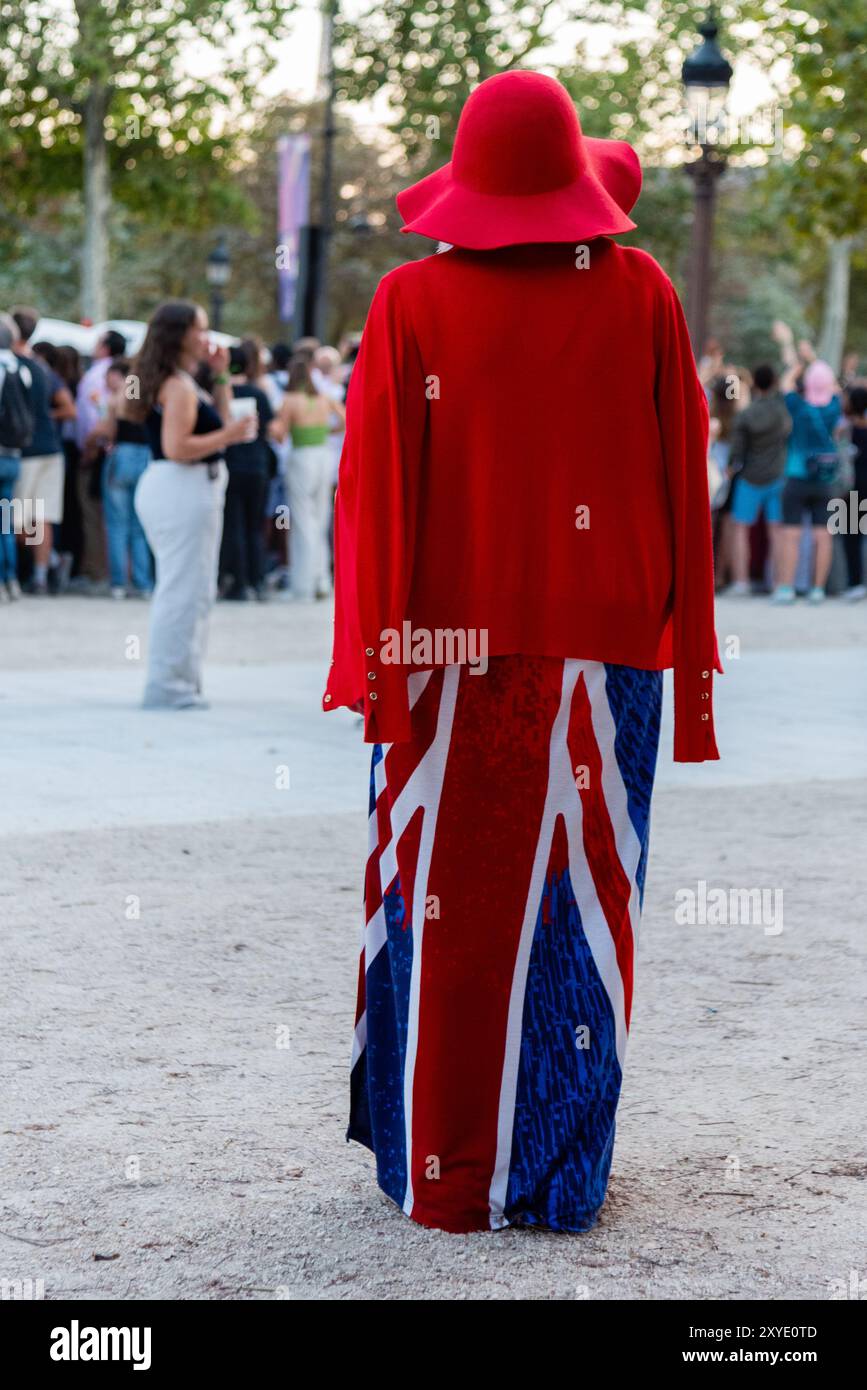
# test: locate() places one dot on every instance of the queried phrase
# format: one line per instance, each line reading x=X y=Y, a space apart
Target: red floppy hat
x=522 y=170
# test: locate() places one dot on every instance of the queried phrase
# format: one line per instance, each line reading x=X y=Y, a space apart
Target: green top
x=305 y=436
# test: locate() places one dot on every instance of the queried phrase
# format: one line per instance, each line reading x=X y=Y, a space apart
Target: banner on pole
x=293 y=201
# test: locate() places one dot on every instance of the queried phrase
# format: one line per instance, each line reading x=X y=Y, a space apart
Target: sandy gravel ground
x=179 y=967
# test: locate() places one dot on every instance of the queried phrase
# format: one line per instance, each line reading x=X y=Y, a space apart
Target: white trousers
x=181 y=510
x=308 y=484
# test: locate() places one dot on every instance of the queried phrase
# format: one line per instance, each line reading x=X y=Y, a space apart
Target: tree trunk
x=835 y=311
x=94 y=301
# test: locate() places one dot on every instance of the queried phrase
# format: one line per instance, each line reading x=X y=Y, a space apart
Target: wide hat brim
x=596 y=203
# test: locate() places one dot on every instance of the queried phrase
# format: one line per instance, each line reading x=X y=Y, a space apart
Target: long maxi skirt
x=508 y=845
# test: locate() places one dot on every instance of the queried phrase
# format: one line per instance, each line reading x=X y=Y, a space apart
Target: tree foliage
x=168 y=130
x=828 y=105
x=190 y=152
x=429 y=55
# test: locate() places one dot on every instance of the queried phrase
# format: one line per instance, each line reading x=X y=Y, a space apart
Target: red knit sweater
x=525 y=462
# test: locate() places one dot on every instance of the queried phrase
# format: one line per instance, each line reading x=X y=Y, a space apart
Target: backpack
x=16 y=413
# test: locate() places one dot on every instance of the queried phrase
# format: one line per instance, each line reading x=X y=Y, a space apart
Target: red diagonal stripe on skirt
x=407 y=862
x=600 y=846
x=488 y=826
x=372 y=884
x=361 y=1001
x=402 y=759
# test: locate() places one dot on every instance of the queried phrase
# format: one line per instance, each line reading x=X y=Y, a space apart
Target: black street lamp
x=218 y=271
x=706 y=75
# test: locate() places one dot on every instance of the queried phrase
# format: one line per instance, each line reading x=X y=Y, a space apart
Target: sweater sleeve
x=682 y=412
x=375 y=519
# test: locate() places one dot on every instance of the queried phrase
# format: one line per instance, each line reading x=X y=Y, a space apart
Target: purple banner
x=293 y=199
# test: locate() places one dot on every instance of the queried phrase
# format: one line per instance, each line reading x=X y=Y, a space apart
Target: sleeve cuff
x=694 y=735
x=386 y=699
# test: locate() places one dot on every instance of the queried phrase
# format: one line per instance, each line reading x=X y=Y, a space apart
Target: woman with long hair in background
x=179 y=498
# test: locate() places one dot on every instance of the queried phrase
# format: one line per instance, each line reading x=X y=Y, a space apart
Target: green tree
x=366 y=240
x=429 y=55
x=98 y=96
x=153 y=261
x=828 y=175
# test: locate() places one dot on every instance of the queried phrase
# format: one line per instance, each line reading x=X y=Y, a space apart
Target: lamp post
x=218 y=271
x=706 y=75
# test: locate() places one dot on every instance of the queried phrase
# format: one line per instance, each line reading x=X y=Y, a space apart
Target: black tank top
x=207 y=420
x=129 y=432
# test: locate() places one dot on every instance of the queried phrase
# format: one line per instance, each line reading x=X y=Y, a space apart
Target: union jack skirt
x=508 y=844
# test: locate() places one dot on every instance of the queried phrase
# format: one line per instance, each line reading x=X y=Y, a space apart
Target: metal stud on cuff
x=327 y=699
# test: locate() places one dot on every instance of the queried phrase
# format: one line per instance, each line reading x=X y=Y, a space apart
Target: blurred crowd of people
x=72 y=455
x=784 y=443
x=787 y=471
